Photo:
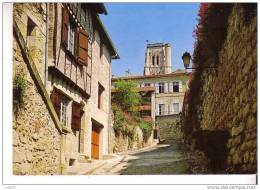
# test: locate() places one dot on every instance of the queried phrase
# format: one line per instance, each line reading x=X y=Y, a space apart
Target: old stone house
x=63 y=53
x=169 y=86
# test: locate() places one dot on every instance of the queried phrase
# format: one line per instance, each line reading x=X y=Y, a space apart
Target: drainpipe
x=46 y=45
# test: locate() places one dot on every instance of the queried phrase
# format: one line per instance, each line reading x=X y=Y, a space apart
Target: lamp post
x=186 y=57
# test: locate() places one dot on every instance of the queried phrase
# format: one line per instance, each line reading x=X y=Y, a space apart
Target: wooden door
x=95 y=142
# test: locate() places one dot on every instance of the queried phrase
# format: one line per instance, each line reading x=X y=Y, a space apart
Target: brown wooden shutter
x=76 y=116
x=65 y=23
x=56 y=100
x=82 y=45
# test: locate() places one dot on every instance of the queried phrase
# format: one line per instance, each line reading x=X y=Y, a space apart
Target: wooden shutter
x=56 y=100
x=180 y=86
x=65 y=23
x=76 y=117
x=82 y=47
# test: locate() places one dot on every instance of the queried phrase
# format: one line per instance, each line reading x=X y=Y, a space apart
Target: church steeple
x=157 y=59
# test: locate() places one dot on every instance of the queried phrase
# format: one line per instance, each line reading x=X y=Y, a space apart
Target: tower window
x=158 y=60
x=153 y=60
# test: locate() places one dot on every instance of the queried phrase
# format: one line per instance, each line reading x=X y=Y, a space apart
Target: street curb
x=117 y=160
x=140 y=150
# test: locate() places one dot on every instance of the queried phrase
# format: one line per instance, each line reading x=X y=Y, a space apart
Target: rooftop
x=176 y=73
x=157 y=44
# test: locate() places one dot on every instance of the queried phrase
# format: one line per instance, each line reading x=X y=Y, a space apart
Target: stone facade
x=230 y=96
x=158 y=59
x=77 y=82
x=36 y=141
x=169 y=96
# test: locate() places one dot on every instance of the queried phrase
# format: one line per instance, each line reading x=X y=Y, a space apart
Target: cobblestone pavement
x=161 y=159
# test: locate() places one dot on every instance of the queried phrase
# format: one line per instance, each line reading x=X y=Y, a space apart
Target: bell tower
x=157 y=59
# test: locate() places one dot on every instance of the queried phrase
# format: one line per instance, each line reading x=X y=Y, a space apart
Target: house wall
x=98 y=70
x=167 y=98
x=36 y=140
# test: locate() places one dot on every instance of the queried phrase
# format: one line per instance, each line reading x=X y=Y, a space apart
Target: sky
x=131 y=24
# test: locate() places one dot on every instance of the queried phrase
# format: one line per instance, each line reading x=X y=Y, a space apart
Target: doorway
x=95 y=140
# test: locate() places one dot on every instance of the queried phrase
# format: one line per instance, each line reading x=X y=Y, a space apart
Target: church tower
x=157 y=59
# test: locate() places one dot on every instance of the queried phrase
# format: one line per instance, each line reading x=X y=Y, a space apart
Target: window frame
x=64 y=109
x=101 y=90
x=71 y=43
x=175 y=84
x=161 y=109
x=178 y=110
x=161 y=87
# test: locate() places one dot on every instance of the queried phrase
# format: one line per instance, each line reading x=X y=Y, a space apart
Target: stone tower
x=157 y=59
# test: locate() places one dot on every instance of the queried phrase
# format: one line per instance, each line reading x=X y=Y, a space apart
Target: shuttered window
x=76 y=116
x=82 y=47
x=56 y=100
x=65 y=23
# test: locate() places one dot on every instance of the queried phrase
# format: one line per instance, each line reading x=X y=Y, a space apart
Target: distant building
x=170 y=87
x=158 y=59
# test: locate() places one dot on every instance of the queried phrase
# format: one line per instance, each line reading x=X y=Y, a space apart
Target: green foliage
x=127 y=95
x=19 y=87
x=119 y=119
x=147 y=128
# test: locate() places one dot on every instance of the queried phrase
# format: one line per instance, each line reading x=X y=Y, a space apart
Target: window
x=175 y=107
x=161 y=87
x=31 y=33
x=175 y=86
x=153 y=60
x=74 y=39
x=158 y=60
x=63 y=111
x=60 y=104
x=71 y=37
x=100 y=96
x=101 y=50
x=161 y=109
x=147 y=84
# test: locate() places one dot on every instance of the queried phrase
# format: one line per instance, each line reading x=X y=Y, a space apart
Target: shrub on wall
x=127 y=96
x=147 y=128
x=19 y=87
x=119 y=119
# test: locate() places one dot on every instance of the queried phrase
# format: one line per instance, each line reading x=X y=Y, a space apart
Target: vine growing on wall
x=19 y=88
x=210 y=34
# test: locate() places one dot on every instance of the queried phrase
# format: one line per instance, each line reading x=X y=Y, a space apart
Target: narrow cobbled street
x=166 y=158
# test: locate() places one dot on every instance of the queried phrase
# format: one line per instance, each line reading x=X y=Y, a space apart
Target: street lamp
x=186 y=57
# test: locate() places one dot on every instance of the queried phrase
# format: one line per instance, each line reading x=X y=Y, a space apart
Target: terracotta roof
x=152 y=76
x=140 y=89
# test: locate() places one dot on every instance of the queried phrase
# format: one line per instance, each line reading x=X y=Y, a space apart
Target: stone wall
x=169 y=127
x=121 y=143
x=229 y=99
x=36 y=141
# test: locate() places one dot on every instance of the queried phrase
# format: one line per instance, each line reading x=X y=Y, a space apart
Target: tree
x=126 y=95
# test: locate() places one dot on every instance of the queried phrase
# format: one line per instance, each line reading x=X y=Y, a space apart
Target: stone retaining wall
x=230 y=96
x=36 y=140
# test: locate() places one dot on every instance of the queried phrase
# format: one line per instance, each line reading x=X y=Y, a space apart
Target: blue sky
x=131 y=24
